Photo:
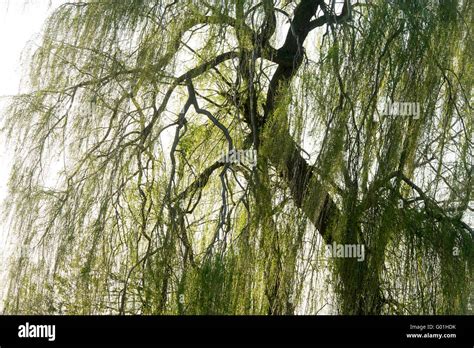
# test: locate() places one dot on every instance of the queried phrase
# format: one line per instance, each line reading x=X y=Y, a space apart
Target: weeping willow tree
x=120 y=200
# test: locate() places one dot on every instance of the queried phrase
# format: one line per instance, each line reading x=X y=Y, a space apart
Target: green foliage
x=120 y=204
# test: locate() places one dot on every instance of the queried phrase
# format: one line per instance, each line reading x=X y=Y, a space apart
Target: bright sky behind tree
x=20 y=23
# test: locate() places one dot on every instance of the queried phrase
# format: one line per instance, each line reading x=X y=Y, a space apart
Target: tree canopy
x=120 y=201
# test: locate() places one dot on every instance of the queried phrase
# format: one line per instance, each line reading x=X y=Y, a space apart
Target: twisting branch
x=331 y=18
x=192 y=99
x=186 y=76
x=200 y=181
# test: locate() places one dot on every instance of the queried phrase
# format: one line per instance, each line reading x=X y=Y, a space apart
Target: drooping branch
x=215 y=121
x=432 y=208
x=182 y=78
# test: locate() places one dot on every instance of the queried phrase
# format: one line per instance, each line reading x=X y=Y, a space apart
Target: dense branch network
x=140 y=97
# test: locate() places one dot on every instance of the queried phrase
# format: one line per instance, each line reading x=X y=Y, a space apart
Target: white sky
x=20 y=22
